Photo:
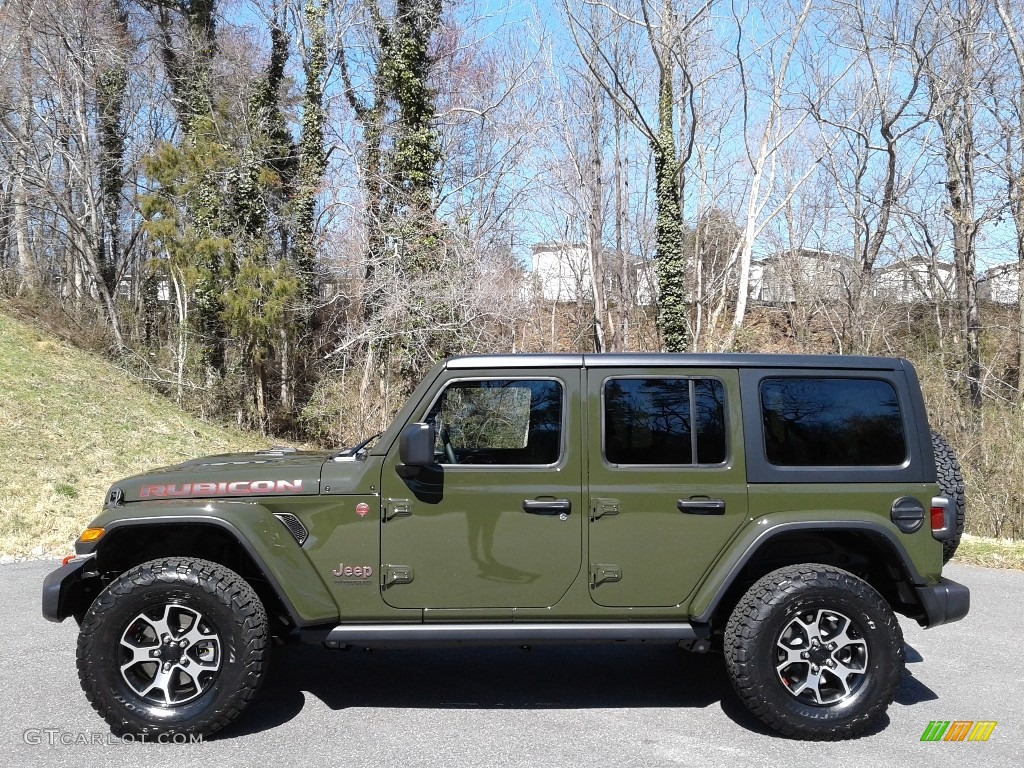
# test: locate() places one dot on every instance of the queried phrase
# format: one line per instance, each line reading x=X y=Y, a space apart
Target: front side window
x=498 y=421
x=664 y=421
x=811 y=422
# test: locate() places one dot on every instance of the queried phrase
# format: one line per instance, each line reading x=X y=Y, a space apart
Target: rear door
x=667 y=480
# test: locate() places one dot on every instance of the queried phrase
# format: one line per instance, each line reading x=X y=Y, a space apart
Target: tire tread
x=227 y=587
x=951 y=482
x=747 y=623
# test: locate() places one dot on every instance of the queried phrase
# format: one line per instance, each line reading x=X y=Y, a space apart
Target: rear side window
x=664 y=421
x=811 y=422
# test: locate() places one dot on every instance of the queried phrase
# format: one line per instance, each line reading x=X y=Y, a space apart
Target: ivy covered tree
x=312 y=158
x=395 y=108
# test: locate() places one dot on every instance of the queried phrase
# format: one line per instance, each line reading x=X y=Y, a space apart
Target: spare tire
x=951 y=483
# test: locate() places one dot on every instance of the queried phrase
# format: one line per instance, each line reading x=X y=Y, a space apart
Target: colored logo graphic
x=958 y=730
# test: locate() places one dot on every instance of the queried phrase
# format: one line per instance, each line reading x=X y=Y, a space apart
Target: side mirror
x=415 y=449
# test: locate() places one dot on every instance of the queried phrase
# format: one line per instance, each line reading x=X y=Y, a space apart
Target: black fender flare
x=318 y=607
x=755 y=536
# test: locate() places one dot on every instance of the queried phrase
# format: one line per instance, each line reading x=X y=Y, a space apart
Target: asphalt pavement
x=593 y=706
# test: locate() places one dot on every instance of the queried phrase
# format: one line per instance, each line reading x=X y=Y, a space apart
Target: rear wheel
x=173 y=646
x=814 y=652
x=951 y=483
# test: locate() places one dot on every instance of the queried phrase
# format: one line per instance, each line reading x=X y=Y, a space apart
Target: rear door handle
x=701 y=506
x=547 y=506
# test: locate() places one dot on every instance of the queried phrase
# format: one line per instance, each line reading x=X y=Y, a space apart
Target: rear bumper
x=943 y=603
x=68 y=590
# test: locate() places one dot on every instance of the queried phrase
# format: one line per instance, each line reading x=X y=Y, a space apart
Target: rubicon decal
x=235 y=488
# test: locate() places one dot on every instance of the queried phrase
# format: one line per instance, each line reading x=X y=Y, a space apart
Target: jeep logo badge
x=353 y=571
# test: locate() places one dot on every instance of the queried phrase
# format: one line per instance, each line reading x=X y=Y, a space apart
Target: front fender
x=262 y=536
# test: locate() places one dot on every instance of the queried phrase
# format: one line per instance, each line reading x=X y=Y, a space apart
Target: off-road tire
x=757 y=631
x=216 y=664
x=951 y=483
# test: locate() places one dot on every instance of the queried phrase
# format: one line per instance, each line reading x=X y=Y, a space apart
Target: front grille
x=294 y=525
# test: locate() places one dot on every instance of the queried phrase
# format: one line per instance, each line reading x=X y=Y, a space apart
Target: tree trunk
x=668 y=228
x=1015 y=180
x=602 y=333
x=953 y=96
x=30 y=281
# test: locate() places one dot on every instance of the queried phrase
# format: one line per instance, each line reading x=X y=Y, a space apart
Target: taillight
x=941 y=529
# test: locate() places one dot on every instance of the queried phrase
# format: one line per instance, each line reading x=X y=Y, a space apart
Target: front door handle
x=701 y=506
x=547 y=506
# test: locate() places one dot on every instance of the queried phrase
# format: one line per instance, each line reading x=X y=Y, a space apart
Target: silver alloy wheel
x=820 y=657
x=170 y=654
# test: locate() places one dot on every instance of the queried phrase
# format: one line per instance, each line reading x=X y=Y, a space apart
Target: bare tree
x=875 y=114
x=774 y=132
x=954 y=57
x=669 y=39
x=1013 y=159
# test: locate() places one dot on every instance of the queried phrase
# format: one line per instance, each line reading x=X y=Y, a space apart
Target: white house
x=915 y=279
x=799 y=275
x=1000 y=284
x=561 y=273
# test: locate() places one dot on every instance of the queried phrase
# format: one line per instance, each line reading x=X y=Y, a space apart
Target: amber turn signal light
x=90 y=534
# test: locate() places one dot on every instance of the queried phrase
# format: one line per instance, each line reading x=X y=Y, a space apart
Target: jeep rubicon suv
x=779 y=509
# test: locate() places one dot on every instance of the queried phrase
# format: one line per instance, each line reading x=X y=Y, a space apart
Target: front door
x=498 y=521
x=667 y=480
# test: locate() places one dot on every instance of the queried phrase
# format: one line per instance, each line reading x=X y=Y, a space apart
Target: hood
x=234 y=475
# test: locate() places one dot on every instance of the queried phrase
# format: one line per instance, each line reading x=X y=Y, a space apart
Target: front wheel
x=814 y=652
x=173 y=646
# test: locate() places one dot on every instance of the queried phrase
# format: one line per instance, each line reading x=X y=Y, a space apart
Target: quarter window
x=664 y=421
x=811 y=422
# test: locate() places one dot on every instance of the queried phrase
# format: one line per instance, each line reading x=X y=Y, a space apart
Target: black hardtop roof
x=671 y=360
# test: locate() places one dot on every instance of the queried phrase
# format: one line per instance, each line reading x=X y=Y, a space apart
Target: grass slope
x=70 y=425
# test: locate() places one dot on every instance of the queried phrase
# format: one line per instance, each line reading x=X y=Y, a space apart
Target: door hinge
x=396 y=508
x=601 y=507
x=602 y=573
x=396 y=574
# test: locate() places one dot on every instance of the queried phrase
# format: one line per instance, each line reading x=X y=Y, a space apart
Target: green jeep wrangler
x=777 y=509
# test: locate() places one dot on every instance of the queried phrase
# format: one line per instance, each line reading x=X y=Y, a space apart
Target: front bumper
x=943 y=603
x=69 y=590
